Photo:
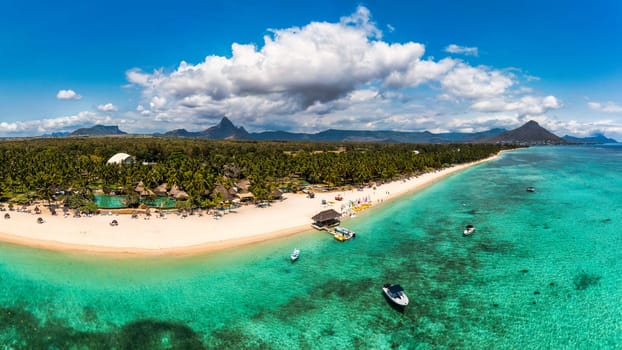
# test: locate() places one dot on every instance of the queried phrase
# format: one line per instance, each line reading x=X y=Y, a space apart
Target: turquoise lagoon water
x=543 y=270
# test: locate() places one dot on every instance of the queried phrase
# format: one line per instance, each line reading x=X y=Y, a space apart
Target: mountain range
x=98 y=130
x=530 y=133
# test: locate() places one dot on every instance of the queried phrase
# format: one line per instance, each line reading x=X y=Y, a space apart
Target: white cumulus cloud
x=476 y=82
x=108 y=107
x=464 y=50
x=330 y=74
x=63 y=123
x=67 y=95
x=532 y=105
x=607 y=107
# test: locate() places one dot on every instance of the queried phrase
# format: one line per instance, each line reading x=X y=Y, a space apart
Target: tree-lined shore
x=72 y=169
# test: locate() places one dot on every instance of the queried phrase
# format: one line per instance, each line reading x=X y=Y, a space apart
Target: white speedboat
x=396 y=293
x=468 y=230
x=295 y=254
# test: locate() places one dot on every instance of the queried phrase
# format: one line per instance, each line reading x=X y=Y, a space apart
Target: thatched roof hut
x=276 y=194
x=245 y=197
x=161 y=190
x=143 y=191
x=243 y=185
x=225 y=194
x=140 y=187
x=328 y=217
x=180 y=195
x=174 y=190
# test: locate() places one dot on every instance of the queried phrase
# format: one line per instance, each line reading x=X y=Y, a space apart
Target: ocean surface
x=543 y=270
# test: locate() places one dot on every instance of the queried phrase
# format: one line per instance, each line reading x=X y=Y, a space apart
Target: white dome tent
x=120 y=158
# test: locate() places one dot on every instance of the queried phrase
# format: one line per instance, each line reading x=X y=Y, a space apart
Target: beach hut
x=181 y=195
x=161 y=190
x=326 y=218
x=225 y=195
x=120 y=158
x=174 y=190
x=246 y=197
x=276 y=194
x=243 y=185
x=139 y=187
x=143 y=191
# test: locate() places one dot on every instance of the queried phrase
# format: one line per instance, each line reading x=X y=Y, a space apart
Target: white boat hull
x=399 y=298
x=295 y=255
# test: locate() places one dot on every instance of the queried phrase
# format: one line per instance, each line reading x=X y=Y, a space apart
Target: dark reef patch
x=89 y=314
x=584 y=280
x=21 y=329
x=156 y=334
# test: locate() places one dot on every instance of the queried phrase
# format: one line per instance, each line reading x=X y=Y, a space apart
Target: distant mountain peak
x=225 y=129
x=98 y=130
x=530 y=133
x=597 y=138
x=225 y=122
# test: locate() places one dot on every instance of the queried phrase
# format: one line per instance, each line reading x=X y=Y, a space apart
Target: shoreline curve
x=193 y=235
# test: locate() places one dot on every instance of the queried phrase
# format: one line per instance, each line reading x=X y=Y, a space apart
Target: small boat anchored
x=343 y=234
x=468 y=230
x=531 y=189
x=396 y=293
x=295 y=254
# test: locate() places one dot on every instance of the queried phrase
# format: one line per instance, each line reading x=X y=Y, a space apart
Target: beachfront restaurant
x=326 y=218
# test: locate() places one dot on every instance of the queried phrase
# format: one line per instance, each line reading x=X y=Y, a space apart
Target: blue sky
x=308 y=66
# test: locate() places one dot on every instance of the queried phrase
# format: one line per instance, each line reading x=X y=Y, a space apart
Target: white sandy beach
x=195 y=234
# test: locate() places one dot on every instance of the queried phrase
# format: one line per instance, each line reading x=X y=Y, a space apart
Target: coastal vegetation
x=73 y=169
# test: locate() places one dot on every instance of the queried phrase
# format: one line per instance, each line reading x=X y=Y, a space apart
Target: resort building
x=326 y=218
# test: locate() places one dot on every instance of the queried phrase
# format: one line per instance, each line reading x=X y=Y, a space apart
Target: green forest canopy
x=40 y=168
